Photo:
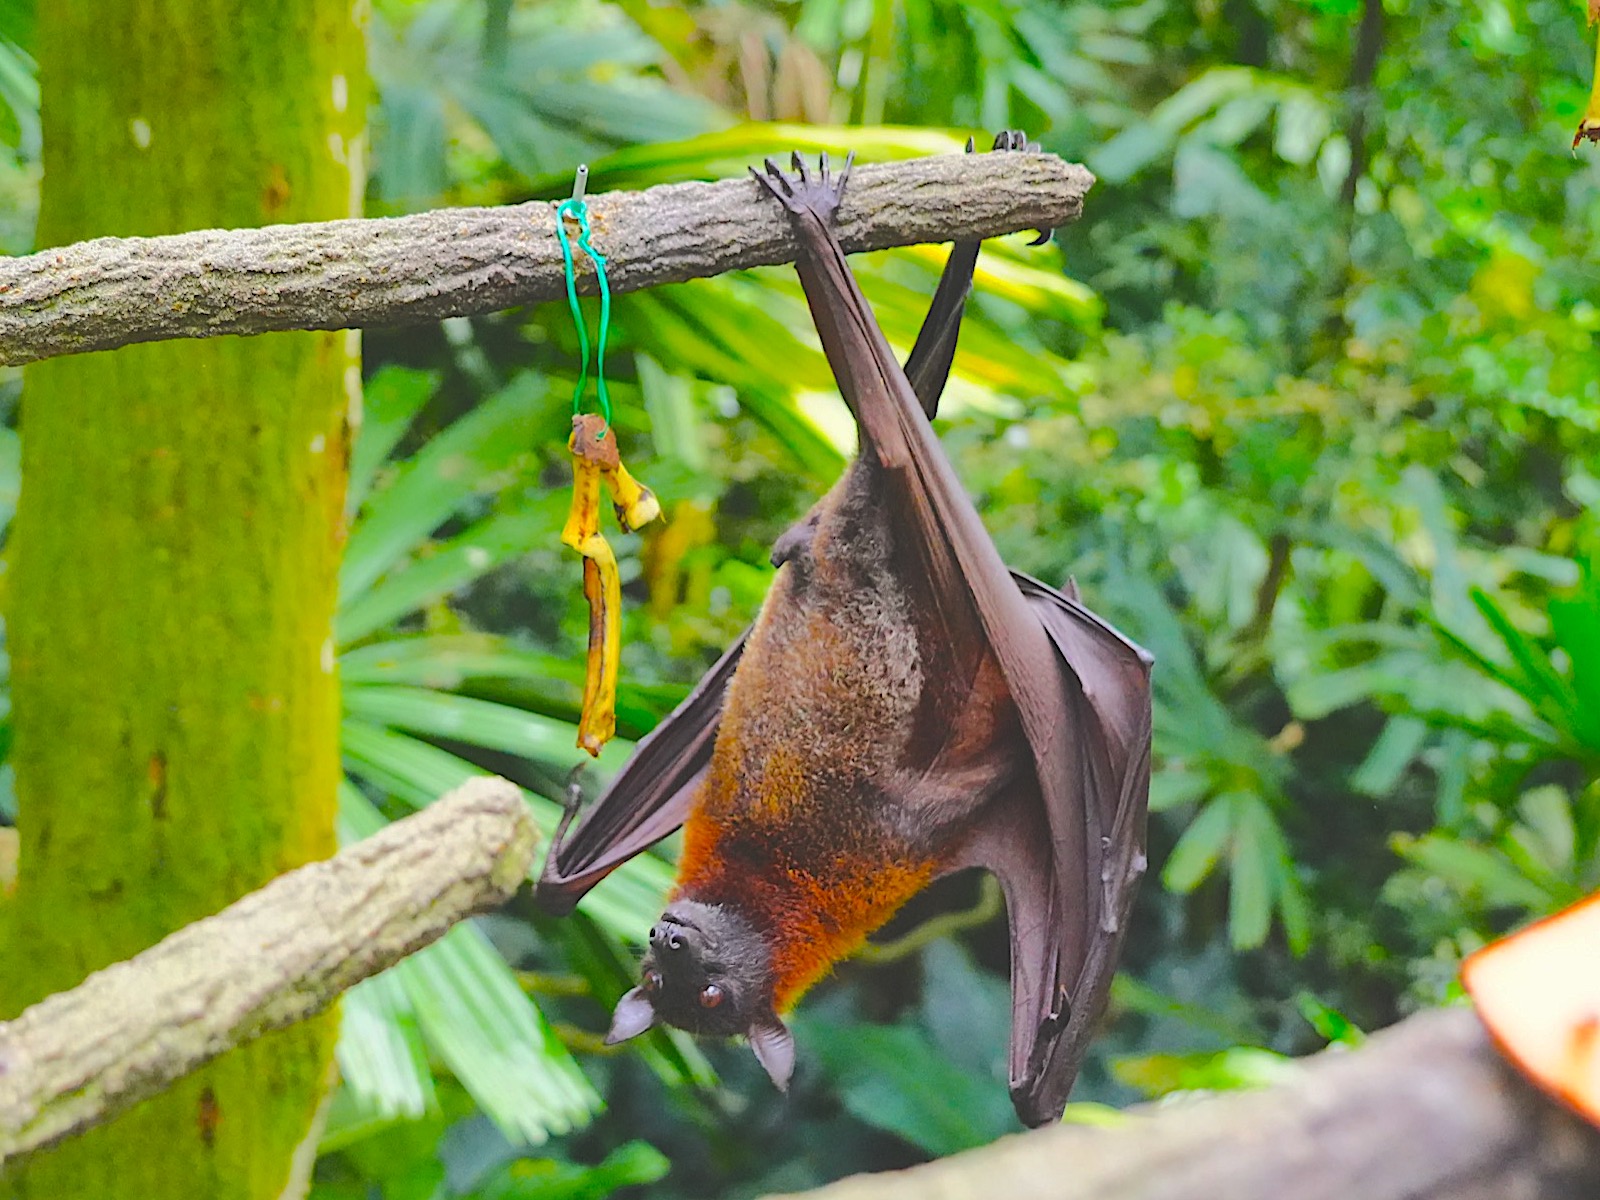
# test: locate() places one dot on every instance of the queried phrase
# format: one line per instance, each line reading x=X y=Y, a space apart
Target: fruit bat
x=903 y=707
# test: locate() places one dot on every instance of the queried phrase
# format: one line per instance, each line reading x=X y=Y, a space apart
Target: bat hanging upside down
x=903 y=707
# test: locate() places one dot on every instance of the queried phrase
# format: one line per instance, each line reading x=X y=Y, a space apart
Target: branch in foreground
x=111 y=292
x=1425 y=1111
x=277 y=956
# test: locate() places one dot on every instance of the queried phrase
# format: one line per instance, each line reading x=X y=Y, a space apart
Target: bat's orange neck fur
x=812 y=917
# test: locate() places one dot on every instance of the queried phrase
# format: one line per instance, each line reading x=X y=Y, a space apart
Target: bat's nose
x=665 y=934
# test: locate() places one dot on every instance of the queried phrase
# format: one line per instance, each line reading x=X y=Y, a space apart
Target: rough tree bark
x=276 y=957
x=112 y=292
x=1427 y=1110
x=173 y=575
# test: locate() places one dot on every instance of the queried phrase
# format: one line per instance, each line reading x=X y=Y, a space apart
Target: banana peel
x=596 y=464
x=1538 y=992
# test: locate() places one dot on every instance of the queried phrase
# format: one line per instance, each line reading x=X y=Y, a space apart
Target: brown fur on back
x=821 y=813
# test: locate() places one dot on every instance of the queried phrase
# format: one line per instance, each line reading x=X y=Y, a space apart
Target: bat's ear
x=774 y=1046
x=634 y=1015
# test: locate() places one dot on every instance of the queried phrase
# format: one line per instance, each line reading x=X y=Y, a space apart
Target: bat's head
x=708 y=971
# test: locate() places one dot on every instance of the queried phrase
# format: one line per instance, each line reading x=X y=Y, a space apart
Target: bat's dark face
x=708 y=972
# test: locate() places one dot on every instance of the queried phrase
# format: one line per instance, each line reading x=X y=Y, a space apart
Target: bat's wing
x=1081 y=690
x=928 y=366
x=649 y=798
x=1068 y=916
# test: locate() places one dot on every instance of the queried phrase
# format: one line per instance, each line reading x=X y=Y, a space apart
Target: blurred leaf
x=382 y=1059
x=416 y=773
x=458 y=997
x=1239 y=1069
x=1331 y=1024
x=475 y=1017
x=390 y=402
x=456 y=466
x=893 y=1078
x=447 y=568
x=1473 y=869
x=633 y=1164
x=1201 y=845
x=476 y=722
x=1395 y=750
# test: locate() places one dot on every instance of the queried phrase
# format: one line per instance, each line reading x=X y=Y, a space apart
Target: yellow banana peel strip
x=595 y=461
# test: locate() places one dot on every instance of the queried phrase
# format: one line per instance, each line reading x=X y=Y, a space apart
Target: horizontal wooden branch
x=111 y=292
x=1425 y=1111
x=275 y=957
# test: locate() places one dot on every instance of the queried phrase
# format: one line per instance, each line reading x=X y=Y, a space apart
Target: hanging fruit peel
x=595 y=460
x=1538 y=991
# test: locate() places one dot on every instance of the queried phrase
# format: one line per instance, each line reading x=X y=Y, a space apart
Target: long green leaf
x=479 y=723
x=464 y=461
x=470 y=555
x=1197 y=851
x=1251 y=870
x=390 y=402
x=473 y=1014
x=382 y=1059
x=1474 y=868
x=1542 y=686
x=416 y=773
x=540 y=682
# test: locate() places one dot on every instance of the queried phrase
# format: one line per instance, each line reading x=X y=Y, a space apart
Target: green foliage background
x=1308 y=403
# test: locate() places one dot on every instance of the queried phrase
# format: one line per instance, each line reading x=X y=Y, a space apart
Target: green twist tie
x=576 y=208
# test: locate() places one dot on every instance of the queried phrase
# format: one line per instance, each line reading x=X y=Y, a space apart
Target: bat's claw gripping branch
x=800 y=191
x=1016 y=141
x=804 y=192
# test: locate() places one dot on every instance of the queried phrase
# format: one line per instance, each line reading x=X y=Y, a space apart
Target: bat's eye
x=652 y=981
x=710 y=996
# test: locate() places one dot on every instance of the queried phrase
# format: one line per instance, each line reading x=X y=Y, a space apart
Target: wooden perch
x=111 y=292
x=1425 y=1111
x=277 y=956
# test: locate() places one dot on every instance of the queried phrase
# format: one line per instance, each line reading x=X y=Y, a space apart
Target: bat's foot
x=1013 y=139
x=801 y=191
x=1016 y=141
x=572 y=804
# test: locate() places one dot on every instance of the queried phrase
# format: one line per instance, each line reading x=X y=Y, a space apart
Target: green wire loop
x=580 y=212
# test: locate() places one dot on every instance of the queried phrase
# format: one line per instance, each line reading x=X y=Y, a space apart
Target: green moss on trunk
x=174 y=560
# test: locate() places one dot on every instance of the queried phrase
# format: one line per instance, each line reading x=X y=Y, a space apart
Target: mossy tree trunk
x=172 y=577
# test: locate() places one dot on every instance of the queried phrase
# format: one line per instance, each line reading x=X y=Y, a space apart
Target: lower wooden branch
x=277 y=956
x=1425 y=1111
